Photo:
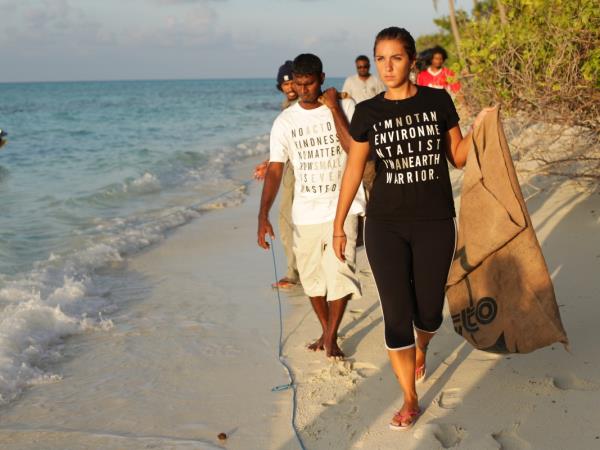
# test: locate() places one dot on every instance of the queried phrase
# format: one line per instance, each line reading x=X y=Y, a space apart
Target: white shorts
x=321 y=273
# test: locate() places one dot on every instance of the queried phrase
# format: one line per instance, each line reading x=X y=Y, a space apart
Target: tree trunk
x=455 y=32
x=502 y=12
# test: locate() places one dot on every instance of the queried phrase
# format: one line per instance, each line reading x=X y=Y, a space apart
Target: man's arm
x=269 y=192
x=330 y=99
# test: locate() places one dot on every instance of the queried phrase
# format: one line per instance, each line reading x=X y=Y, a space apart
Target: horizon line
x=146 y=79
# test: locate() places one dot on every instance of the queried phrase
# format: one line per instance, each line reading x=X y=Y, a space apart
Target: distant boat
x=3 y=135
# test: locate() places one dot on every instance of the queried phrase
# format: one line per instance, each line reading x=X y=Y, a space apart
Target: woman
x=436 y=75
x=410 y=230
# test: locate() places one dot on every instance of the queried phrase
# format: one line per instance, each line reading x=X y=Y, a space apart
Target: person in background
x=291 y=279
x=363 y=85
x=285 y=84
x=436 y=75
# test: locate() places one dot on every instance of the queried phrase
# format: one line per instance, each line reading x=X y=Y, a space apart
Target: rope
x=291 y=385
x=282 y=387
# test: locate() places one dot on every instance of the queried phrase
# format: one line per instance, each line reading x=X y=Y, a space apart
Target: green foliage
x=545 y=61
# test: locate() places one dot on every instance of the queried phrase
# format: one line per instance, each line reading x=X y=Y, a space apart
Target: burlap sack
x=499 y=291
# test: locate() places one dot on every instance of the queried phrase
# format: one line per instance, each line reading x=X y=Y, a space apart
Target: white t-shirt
x=361 y=90
x=308 y=138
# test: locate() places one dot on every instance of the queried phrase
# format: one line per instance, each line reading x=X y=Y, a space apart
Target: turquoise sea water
x=94 y=172
x=82 y=152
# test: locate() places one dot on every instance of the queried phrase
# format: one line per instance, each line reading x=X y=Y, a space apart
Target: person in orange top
x=436 y=75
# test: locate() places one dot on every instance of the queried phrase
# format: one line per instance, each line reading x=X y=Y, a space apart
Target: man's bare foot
x=332 y=350
x=420 y=358
x=317 y=345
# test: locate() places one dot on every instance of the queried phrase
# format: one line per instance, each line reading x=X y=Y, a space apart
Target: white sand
x=193 y=354
x=472 y=399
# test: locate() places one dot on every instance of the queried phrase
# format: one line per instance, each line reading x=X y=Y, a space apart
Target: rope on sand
x=291 y=385
x=282 y=387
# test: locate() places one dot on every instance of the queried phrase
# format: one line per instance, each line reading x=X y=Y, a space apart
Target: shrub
x=545 y=62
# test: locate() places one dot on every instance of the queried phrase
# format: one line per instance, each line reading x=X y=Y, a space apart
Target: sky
x=68 y=40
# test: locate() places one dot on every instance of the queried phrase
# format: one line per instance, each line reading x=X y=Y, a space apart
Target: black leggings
x=410 y=263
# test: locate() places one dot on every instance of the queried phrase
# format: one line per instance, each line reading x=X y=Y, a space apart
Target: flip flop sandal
x=398 y=418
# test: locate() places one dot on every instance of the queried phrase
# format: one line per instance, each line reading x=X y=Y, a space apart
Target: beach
x=190 y=356
x=194 y=354
x=136 y=309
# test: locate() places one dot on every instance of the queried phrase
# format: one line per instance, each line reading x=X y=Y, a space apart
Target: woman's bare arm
x=355 y=167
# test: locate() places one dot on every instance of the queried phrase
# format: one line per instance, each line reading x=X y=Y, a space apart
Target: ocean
x=95 y=172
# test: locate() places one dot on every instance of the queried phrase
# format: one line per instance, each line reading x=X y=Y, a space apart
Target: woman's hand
x=457 y=145
x=339 y=245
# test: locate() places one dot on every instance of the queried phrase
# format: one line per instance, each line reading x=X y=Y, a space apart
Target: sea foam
x=64 y=295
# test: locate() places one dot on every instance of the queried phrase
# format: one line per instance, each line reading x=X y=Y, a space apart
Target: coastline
x=191 y=355
x=194 y=354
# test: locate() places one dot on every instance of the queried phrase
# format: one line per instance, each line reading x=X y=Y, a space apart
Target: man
x=363 y=85
x=285 y=84
x=291 y=279
x=314 y=137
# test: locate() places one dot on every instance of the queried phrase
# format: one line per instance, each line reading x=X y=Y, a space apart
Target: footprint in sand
x=365 y=369
x=571 y=382
x=510 y=440
x=352 y=410
x=448 y=435
x=449 y=399
x=364 y=366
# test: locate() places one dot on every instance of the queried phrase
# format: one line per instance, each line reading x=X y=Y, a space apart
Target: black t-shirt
x=407 y=142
